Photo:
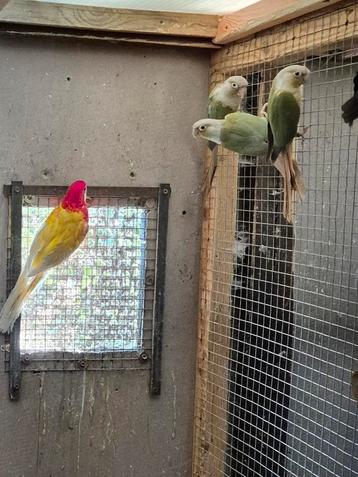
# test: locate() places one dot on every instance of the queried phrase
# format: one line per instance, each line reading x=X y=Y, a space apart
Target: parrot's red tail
x=292 y=177
x=15 y=301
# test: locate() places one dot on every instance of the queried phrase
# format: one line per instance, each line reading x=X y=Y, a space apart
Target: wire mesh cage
x=96 y=309
x=278 y=330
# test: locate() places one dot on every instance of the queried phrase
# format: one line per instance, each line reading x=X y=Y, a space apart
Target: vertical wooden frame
x=214 y=319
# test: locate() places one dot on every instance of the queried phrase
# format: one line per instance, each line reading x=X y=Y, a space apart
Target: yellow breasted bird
x=61 y=234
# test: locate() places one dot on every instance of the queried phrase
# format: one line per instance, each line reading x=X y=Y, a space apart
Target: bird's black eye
x=202 y=128
x=297 y=73
x=234 y=85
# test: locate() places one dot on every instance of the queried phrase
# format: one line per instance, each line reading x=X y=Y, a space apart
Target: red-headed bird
x=61 y=234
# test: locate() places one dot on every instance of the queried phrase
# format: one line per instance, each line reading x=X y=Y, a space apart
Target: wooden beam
x=15 y=29
x=109 y=19
x=262 y=15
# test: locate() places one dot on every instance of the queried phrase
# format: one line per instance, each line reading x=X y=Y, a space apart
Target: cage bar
x=15 y=270
x=163 y=204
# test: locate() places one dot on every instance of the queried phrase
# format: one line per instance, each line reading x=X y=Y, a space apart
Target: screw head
x=149 y=281
x=150 y=203
x=143 y=357
x=17 y=189
x=165 y=191
x=26 y=359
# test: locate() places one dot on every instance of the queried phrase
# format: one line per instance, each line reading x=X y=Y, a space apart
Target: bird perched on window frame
x=61 y=234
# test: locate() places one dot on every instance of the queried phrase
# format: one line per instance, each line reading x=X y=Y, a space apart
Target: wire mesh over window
x=95 y=308
x=278 y=330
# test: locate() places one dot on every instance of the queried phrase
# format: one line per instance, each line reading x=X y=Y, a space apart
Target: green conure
x=284 y=107
x=283 y=114
x=227 y=97
x=240 y=132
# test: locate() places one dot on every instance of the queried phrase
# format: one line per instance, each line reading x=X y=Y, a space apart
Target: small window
x=96 y=310
x=94 y=301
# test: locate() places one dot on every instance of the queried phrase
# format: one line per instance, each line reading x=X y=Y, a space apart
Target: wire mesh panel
x=278 y=334
x=95 y=310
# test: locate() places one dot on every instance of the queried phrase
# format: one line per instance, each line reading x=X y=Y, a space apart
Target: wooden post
x=214 y=320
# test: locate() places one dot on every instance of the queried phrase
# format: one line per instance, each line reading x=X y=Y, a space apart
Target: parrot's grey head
x=295 y=75
x=236 y=85
x=209 y=129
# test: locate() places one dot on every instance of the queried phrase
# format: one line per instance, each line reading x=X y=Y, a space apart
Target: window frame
x=15 y=362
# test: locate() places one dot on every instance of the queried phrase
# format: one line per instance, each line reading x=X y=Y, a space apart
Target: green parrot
x=283 y=115
x=227 y=97
x=240 y=132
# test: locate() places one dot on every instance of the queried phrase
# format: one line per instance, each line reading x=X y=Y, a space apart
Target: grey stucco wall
x=99 y=112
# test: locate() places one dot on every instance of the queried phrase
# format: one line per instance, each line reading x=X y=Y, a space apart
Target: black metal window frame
x=15 y=362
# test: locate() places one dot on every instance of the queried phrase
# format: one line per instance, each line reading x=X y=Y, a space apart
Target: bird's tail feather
x=13 y=305
x=292 y=177
x=288 y=195
x=281 y=164
x=298 y=184
x=275 y=152
x=15 y=301
x=210 y=174
x=295 y=173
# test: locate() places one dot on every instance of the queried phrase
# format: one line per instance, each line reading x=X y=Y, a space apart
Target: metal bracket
x=163 y=214
x=15 y=270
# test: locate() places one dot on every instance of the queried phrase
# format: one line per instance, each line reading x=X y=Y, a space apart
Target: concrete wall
x=100 y=112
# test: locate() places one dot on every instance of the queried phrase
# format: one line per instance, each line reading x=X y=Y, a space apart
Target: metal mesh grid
x=278 y=333
x=98 y=304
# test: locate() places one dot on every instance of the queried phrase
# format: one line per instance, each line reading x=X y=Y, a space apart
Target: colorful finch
x=61 y=234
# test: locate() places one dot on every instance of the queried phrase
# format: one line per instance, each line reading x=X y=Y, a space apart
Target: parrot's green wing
x=245 y=134
x=217 y=110
x=283 y=115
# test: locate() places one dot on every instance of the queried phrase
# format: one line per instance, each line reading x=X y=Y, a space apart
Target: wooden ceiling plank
x=109 y=19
